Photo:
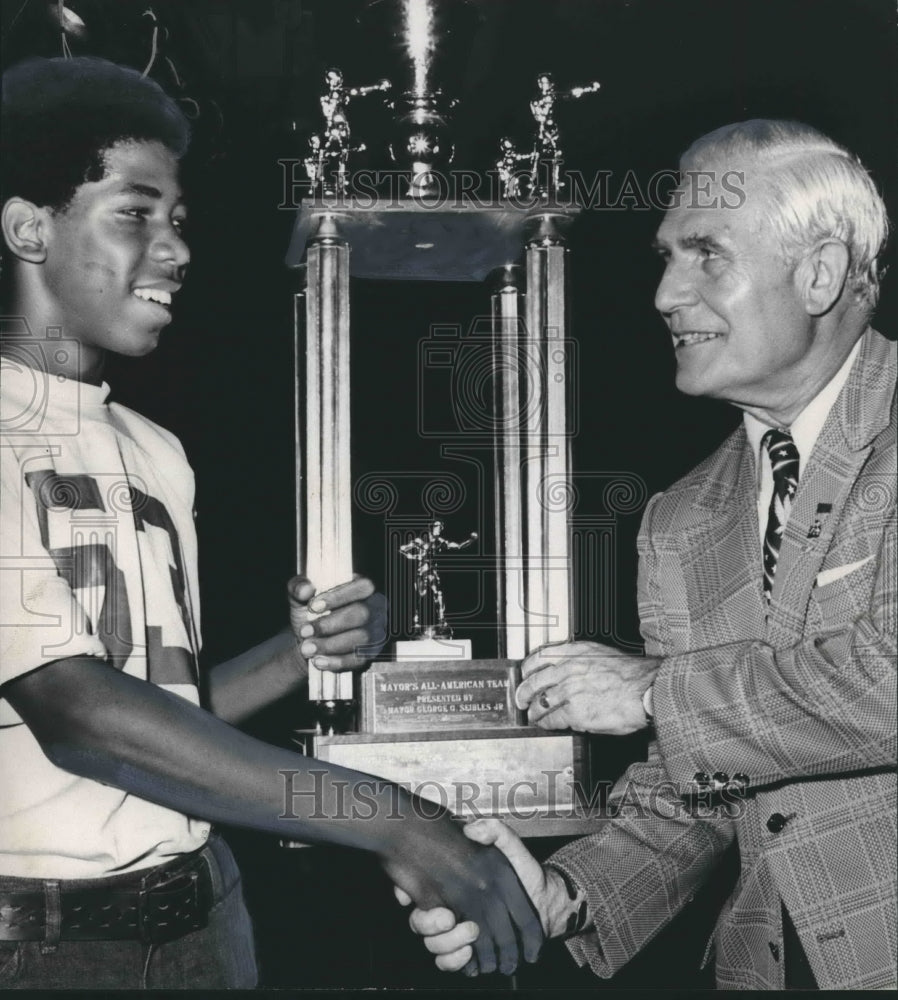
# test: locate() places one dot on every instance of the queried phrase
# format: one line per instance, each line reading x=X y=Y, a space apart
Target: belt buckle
x=171 y=909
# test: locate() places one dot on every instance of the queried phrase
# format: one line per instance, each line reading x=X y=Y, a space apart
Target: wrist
x=650 y=675
x=564 y=912
x=648 y=705
x=423 y=823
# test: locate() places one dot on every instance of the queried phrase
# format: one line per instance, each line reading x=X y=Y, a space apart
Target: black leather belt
x=156 y=907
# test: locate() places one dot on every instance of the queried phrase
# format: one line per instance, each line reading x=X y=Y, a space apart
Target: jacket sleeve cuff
x=598 y=947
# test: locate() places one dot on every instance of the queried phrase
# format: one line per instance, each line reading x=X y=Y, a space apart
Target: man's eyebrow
x=699 y=241
x=694 y=241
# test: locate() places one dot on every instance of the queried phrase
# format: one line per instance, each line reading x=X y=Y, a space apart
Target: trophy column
x=324 y=529
x=545 y=465
x=512 y=403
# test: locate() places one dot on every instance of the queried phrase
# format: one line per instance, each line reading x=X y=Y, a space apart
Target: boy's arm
x=100 y=723
x=350 y=632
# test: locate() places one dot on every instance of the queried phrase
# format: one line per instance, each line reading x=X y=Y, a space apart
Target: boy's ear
x=25 y=230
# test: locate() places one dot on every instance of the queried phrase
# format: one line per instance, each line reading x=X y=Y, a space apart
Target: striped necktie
x=784 y=463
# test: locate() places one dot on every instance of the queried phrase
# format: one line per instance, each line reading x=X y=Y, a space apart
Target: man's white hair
x=817 y=190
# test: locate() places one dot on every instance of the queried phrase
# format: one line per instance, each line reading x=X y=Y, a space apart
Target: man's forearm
x=835 y=695
x=642 y=867
x=257 y=678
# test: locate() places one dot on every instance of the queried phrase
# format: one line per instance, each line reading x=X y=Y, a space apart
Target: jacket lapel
x=860 y=413
x=721 y=551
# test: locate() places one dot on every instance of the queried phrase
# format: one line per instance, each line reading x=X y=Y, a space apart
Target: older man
x=767 y=594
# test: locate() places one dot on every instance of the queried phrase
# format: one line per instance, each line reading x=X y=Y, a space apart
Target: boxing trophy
x=432 y=717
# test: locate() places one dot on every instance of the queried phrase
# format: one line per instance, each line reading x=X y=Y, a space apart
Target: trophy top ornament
x=327 y=163
x=547 y=153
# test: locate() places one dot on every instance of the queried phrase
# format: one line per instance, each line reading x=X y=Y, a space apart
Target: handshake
x=466 y=946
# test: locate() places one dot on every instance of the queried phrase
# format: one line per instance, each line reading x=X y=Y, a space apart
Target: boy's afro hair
x=59 y=117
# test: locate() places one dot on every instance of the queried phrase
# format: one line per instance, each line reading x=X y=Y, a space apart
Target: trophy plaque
x=424 y=695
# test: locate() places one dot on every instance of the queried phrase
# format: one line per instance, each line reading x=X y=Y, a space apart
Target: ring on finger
x=544 y=700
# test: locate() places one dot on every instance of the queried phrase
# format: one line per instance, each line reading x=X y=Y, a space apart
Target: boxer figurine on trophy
x=333 y=150
x=547 y=153
x=430 y=611
x=510 y=176
x=314 y=162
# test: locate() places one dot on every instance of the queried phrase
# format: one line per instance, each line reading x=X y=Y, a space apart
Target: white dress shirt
x=805 y=430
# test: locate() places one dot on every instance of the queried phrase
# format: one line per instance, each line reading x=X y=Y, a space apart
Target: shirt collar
x=33 y=390
x=806 y=427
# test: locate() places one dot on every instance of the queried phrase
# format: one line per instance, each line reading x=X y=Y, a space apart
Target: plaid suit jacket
x=800 y=697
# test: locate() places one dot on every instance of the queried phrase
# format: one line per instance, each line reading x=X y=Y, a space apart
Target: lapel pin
x=817 y=527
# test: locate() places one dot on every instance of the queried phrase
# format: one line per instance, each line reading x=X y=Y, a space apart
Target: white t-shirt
x=97 y=558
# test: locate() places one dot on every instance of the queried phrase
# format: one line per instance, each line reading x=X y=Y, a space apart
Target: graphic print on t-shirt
x=74 y=509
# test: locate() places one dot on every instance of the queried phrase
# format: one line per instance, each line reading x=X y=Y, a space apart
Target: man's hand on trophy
x=453 y=942
x=586 y=687
x=454 y=874
x=338 y=629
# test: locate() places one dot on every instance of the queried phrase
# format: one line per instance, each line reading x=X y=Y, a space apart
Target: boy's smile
x=116 y=256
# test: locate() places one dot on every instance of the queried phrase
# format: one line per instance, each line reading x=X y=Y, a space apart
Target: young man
x=112 y=773
x=767 y=595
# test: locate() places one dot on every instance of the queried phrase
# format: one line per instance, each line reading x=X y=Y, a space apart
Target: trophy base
x=536 y=782
x=449 y=731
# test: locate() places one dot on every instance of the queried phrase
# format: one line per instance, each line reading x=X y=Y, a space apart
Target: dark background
x=250 y=73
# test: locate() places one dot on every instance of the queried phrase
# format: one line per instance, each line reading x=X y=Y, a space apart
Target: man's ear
x=821 y=276
x=25 y=230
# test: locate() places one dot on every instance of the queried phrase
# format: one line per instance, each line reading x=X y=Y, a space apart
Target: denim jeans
x=219 y=956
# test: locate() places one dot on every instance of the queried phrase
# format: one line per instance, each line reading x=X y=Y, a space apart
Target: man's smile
x=692 y=337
